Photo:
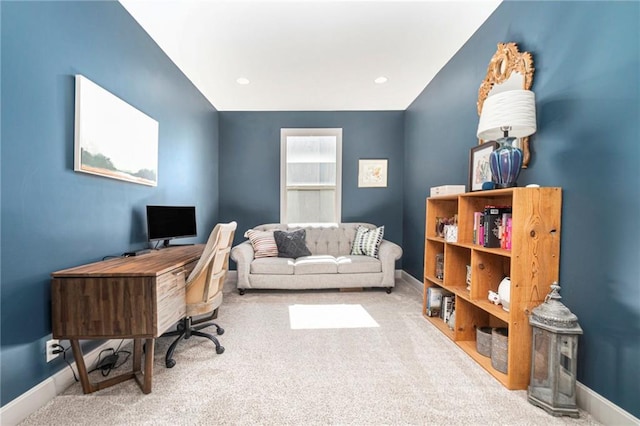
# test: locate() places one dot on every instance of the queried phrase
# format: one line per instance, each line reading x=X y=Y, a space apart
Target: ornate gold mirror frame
x=509 y=69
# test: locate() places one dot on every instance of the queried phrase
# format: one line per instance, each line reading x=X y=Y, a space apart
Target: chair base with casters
x=189 y=327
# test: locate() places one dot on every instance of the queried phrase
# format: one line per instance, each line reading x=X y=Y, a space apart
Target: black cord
x=128 y=354
x=111 y=257
x=106 y=369
x=97 y=366
x=59 y=349
x=118 y=348
x=118 y=352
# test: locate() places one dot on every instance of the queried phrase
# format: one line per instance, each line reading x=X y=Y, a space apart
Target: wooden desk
x=135 y=297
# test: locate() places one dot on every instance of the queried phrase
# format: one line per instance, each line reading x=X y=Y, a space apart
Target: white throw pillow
x=264 y=245
x=367 y=241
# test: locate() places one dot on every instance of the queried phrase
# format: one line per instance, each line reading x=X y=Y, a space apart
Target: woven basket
x=499 y=345
x=483 y=340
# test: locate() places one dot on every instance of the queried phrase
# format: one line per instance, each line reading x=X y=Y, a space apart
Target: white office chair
x=204 y=290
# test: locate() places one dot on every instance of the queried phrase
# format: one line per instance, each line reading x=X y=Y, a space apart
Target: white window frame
x=287 y=132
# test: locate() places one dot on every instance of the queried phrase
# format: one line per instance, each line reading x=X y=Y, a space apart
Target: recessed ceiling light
x=381 y=80
x=243 y=81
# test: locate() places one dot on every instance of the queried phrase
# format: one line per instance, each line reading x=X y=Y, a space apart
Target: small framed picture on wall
x=479 y=169
x=372 y=173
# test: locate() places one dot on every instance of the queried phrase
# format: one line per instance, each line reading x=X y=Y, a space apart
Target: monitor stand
x=166 y=244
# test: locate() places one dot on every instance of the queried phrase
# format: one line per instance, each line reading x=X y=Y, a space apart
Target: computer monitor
x=165 y=223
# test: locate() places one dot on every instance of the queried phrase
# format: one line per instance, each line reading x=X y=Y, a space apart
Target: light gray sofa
x=330 y=265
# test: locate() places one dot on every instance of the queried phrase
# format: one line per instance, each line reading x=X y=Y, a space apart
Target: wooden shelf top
x=492 y=192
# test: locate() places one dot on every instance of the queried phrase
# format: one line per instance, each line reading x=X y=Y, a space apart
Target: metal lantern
x=553 y=356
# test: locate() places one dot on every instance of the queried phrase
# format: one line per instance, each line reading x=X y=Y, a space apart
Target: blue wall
x=53 y=217
x=586 y=56
x=250 y=166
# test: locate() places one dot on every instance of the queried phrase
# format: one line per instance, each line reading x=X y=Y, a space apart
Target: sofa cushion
x=358 y=264
x=291 y=244
x=335 y=240
x=263 y=242
x=367 y=241
x=272 y=266
x=318 y=264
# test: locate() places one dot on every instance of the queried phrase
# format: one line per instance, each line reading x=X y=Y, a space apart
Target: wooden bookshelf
x=532 y=264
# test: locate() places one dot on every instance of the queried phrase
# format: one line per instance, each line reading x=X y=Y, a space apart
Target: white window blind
x=311 y=168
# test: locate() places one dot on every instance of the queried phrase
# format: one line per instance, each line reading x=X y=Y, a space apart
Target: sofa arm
x=242 y=254
x=388 y=253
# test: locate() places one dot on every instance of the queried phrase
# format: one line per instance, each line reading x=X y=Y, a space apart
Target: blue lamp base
x=505 y=163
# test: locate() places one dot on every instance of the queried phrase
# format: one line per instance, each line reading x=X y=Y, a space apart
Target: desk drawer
x=171 y=296
x=102 y=307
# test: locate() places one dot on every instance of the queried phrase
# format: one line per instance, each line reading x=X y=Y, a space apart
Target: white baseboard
x=601 y=409
x=20 y=408
x=405 y=276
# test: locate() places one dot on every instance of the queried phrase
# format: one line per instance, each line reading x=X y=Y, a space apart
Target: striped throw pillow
x=367 y=241
x=264 y=245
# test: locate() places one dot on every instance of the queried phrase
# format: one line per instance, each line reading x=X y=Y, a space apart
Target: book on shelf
x=507 y=234
x=493 y=216
x=505 y=231
x=448 y=305
x=434 y=301
x=440 y=266
x=478 y=228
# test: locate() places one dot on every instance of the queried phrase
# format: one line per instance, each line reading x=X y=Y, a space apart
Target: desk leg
x=143 y=378
x=148 y=366
x=145 y=384
x=137 y=355
x=82 y=368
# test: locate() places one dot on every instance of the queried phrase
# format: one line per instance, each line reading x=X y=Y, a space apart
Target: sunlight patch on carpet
x=304 y=317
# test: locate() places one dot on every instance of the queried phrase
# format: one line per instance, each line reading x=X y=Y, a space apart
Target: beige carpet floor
x=403 y=372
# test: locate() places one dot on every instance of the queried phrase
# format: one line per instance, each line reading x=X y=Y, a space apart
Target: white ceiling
x=310 y=55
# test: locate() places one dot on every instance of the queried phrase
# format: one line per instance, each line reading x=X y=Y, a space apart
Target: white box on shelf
x=451 y=233
x=447 y=190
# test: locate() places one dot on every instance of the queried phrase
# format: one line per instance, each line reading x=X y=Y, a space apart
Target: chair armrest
x=388 y=253
x=242 y=254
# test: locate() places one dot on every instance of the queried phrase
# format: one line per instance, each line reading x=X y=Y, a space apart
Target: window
x=310 y=175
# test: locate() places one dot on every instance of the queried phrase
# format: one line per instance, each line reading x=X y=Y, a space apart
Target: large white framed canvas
x=112 y=138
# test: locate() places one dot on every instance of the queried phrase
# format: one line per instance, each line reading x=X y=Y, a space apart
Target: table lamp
x=506 y=116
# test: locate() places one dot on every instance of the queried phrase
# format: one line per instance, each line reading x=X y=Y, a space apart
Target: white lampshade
x=514 y=110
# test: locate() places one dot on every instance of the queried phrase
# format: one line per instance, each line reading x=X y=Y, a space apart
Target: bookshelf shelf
x=441 y=325
x=460 y=291
x=492 y=309
x=436 y=239
x=479 y=248
x=532 y=263
x=434 y=280
x=469 y=347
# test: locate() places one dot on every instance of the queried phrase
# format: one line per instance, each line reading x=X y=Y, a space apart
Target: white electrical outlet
x=49 y=349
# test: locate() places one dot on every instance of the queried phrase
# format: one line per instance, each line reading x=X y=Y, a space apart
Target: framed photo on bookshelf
x=479 y=169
